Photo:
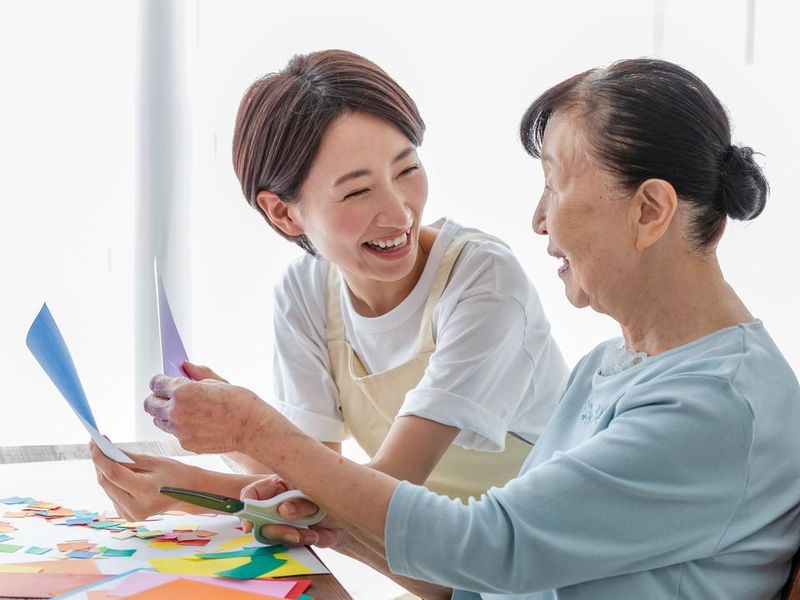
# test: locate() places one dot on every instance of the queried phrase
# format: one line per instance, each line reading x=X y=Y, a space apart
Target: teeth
x=398 y=241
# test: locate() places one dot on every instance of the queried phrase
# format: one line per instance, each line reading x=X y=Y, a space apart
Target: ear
x=283 y=215
x=654 y=205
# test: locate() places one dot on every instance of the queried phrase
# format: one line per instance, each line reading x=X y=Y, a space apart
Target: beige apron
x=370 y=403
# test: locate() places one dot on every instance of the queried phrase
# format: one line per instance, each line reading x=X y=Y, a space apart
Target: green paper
x=254 y=551
x=9 y=547
x=37 y=550
x=116 y=552
x=258 y=565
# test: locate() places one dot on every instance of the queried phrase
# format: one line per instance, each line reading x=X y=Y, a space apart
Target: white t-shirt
x=496 y=367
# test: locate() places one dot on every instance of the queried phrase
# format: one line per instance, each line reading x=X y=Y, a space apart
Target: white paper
x=106 y=447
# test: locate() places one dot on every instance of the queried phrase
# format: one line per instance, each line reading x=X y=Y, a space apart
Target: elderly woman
x=669 y=468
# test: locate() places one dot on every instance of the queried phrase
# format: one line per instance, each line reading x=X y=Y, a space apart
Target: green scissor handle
x=265 y=512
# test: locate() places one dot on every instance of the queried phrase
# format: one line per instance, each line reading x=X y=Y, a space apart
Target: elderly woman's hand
x=326 y=533
x=134 y=489
x=206 y=416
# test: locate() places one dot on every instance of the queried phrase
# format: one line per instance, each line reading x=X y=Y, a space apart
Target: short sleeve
x=482 y=370
x=305 y=392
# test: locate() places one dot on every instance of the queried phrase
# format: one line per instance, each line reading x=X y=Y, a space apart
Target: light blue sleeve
x=658 y=486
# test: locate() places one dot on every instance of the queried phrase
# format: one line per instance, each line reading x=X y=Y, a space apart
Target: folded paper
x=47 y=345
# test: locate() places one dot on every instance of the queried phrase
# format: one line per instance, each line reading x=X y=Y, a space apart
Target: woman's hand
x=208 y=416
x=134 y=489
x=326 y=533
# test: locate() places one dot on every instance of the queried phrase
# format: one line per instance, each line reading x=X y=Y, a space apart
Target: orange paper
x=196 y=590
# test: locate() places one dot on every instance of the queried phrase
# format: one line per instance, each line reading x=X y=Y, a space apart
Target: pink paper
x=144 y=580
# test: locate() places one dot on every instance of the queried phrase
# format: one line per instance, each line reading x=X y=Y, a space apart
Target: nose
x=539 y=221
x=394 y=212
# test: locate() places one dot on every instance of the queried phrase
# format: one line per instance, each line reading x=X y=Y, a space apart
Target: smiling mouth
x=389 y=245
x=564 y=265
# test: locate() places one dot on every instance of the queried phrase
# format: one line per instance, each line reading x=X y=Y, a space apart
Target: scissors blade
x=204 y=499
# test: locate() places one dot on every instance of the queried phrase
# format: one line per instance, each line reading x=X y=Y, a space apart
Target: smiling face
x=585 y=216
x=363 y=198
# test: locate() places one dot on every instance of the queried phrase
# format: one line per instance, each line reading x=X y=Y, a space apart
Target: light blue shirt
x=678 y=477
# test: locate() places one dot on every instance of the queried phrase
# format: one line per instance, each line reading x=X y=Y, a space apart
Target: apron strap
x=425 y=341
x=335 y=325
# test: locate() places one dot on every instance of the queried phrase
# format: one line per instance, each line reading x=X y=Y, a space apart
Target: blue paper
x=173 y=352
x=17 y=500
x=47 y=346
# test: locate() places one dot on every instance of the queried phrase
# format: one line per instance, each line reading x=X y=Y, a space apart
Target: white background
x=67 y=119
x=67 y=134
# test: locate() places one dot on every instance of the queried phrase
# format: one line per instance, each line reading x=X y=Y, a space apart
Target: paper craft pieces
x=84 y=567
x=5 y=538
x=14 y=514
x=47 y=345
x=37 y=550
x=145 y=580
x=172 y=351
x=16 y=500
x=186 y=588
x=75 y=545
x=9 y=547
x=118 y=552
x=32 y=584
x=6 y=527
x=19 y=569
x=81 y=554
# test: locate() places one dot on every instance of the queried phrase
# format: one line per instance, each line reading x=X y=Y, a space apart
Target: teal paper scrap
x=248 y=551
x=112 y=552
x=37 y=550
x=259 y=564
x=5 y=538
x=17 y=500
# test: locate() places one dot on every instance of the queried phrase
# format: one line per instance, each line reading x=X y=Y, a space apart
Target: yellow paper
x=211 y=566
x=236 y=543
x=197 y=566
x=290 y=568
x=19 y=569
x=164 y=545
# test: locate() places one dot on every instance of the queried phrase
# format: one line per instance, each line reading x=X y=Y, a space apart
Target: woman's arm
x=412 y=448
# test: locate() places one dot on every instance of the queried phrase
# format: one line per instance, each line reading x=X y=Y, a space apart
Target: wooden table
x=323 y=587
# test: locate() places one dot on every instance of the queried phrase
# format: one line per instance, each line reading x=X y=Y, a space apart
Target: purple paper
x=172 y=351
x=145 y=580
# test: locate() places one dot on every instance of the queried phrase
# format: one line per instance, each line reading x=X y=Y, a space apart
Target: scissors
x=259 y=512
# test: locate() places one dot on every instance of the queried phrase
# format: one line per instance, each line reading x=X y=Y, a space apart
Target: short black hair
x=649 y=118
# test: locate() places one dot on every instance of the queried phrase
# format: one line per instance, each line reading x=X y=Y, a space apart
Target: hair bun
x=743 y=185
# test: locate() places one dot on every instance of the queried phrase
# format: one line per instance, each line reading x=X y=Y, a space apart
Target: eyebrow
x=361 y=172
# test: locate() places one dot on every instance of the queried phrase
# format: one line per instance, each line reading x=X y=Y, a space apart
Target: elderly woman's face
x=584 y=215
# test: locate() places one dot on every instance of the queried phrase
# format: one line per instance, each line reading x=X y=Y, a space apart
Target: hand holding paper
x=45 y=342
